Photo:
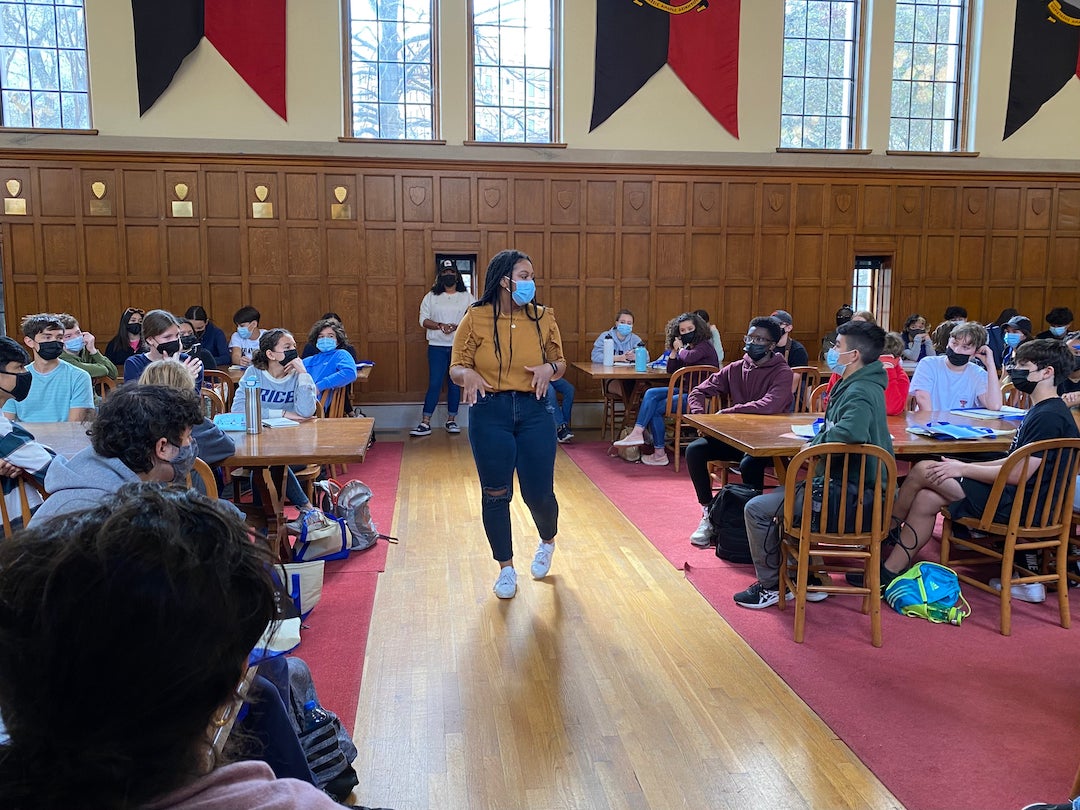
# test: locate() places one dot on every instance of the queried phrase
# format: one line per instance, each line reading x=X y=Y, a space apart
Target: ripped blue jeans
x=508 y=431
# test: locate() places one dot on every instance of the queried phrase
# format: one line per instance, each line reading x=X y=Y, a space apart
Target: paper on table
x=279 y=421
x=1006 y=412
x=804 y=431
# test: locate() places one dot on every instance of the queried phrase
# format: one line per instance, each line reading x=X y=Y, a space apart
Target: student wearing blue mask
x=1060 y=320
x=441 y=310
x=245 y=340
x=623 y=335
x=81 y=351
x=331 y=366
x=1017 y=332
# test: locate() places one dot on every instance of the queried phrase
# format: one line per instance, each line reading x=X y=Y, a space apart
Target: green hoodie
x=856 y=410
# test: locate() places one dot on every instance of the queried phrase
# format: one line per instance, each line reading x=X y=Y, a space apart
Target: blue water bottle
x=315 y=715
x=641 y=358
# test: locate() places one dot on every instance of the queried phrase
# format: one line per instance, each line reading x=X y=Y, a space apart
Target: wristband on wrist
x=554 y=368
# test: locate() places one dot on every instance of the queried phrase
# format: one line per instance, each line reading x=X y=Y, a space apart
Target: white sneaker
x=1033 y=592
x=541 y=563
x=705 y=534
x=630 y=441
x=656 y=461
x=506 y=584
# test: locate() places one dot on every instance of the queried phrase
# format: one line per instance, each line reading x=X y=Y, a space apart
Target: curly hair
x=267 y=342
x=328 y=323
x=133 y=418
x=501 y=266
x=156 y=597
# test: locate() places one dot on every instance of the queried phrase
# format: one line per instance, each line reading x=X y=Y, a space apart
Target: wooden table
x=637 y=381
x=319 y=441
x=770 y=435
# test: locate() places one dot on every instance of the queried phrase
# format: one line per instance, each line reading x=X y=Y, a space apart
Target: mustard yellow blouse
x=519 y=345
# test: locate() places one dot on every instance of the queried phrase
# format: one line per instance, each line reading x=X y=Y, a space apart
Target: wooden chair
x=614 y=411
x=816 y=400
x=1016 y=399
x=212 y=404
x=805 y=379
x=103 y=385
x=681 y=382
x=829 y=547
x=206 y=475
x=1033 y=524
x=336 y=408
x=23 y=482
x=222 y=385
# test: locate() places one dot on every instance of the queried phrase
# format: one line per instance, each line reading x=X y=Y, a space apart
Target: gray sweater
x=293 y=392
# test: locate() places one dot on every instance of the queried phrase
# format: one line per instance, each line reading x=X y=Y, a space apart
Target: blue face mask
x=1058 y=331
x=623 y=330
x=75 y=345
x=326 y=344
x=243 y=332
x=1013 y=339
x=524 y=290
x=832 y=359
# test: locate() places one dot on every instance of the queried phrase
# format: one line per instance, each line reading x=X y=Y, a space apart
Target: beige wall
x=209 y=108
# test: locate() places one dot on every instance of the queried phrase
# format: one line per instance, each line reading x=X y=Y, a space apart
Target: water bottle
x=641 y=357
x=315 y=715
x=252 y=405
x=609 y=350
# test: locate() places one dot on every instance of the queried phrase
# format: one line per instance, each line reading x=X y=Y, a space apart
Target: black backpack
x=726 y=516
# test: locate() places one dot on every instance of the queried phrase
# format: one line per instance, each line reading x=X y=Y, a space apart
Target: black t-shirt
x=795 y=353
x=1069 y=387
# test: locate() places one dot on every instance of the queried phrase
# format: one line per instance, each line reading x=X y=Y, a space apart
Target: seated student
x=855 y=415
x=917 y=344
x=1039 y=368
x=864 y=316
x=898 y=386
x=128 y=338
x=210 y=335
x=995 y=333
x=714 y=335
x=127 y=627
x=760 y=382
x=189 y=340
x=1017 y=331
x=331 y=366
x=245 y=340
x=161 y=337
x=1060 y=320
x=19 y=453
x=1069 y=388
x=60 y=392
x=80 y=350
x=212 y=444
x=622 y=334
x=793 y=352
x=285 y=389
x=940 y=337
x=141 y=433
x=955 y=313
x=310 y=348
x=843 y=315
x=691 y=348
x=560 y=414
x=950 y=381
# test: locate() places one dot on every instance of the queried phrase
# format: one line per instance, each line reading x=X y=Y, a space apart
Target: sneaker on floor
x=541 y=563
x=630 y=441
x=451 y=427
x=1073 y=805
x=1034 y=592
x=756 y=597
x=811 y=596
x=506 y=584
x=423 y=429
x=655 y=461
x=563 y=433
x=705 y=534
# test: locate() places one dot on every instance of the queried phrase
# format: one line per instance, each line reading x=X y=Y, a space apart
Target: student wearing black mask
x=128 y=338
x=950 y=381
x=19 y=453
x=161 y=337
x=60 y=392
x=189 y=340
x=843 y=315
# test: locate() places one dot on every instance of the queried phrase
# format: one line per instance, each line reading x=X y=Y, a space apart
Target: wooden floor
x=610 y=684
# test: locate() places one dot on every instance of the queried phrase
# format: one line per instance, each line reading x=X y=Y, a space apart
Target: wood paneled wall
x=659 y=240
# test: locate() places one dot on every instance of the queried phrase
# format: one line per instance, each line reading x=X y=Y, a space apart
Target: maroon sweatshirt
x=753 y=388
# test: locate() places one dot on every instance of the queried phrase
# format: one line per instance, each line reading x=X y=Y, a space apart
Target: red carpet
x=334 y=638
x=945 y=717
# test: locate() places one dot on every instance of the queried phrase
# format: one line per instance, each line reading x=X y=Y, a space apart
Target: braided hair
x=500 y=267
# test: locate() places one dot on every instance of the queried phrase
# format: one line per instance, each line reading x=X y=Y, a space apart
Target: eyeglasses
x=758 y=341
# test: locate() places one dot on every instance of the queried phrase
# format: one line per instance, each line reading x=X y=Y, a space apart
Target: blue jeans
x=438 y=360
x=512 y=430
x=651 y=412
x=560 y=416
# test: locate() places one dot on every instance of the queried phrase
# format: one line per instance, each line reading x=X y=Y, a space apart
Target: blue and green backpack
x=929 y=591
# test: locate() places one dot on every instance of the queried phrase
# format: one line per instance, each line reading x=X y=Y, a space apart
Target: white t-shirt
x=247 y=346
x=950 y=389
x=444 y=308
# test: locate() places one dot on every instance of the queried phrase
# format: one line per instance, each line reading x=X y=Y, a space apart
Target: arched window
x=391 y=88
x=44 y=79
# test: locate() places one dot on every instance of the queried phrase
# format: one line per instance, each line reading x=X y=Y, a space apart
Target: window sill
x=903 y=153
x=518 y=144
x=47 y=131
x=786 y=150
x=418 y=141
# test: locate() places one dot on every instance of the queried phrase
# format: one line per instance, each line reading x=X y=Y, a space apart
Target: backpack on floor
x=353 y=505
x=929 y=591
x=632 y=453
x=726 y=516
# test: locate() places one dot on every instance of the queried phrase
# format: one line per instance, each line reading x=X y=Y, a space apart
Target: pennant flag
x=249 y=34
x=698 y=38
x=1046 y=54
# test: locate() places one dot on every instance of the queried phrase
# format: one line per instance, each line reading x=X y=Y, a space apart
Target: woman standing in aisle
x=506 y=352
x=441 y=310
